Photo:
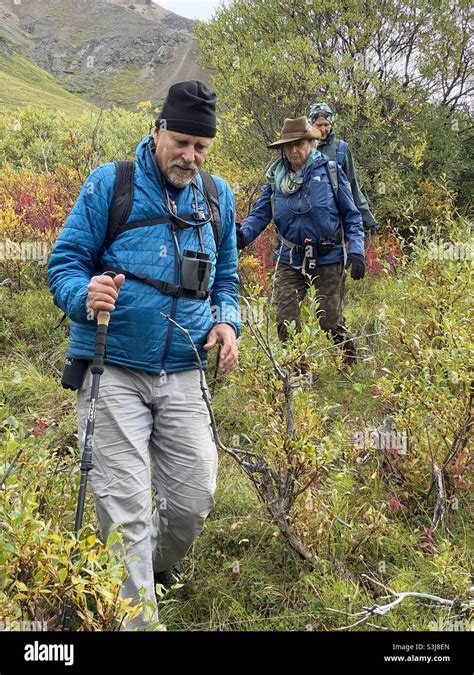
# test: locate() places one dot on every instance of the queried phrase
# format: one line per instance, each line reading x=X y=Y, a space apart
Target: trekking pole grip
x=103 y=318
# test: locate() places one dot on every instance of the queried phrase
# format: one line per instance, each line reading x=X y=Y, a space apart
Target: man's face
x=180 y=156
x=297 y=152
x=323 y=125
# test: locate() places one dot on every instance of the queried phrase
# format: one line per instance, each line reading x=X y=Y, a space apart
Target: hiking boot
x=169 y=577
x=349 y=352
x=301 y=367
x=349 y=357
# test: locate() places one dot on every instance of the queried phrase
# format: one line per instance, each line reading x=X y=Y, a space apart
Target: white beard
x=180 y=182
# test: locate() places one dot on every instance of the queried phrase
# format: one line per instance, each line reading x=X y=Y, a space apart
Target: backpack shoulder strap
x=332 y=165
x=119 y=209
x=341 y=151
x=122 y=201
x=333 y=175
x=210 y=190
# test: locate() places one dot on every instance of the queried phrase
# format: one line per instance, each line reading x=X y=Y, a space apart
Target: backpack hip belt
x=310 y=251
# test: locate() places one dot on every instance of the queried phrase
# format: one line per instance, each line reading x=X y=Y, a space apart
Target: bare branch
x=10 y=468
x=382 y=610
x=441 y=500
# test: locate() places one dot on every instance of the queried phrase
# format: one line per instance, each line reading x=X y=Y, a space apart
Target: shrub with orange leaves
x=250 y=270
x=383 y=253
x=39 y=200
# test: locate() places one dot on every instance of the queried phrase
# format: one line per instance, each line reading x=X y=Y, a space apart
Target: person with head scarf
x=319 y=230
x=321 y=117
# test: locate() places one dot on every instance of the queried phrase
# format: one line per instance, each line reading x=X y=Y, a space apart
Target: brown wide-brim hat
x=296 y=130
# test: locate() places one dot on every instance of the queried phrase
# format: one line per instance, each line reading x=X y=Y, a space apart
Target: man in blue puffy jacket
x=152 y=424
x=319 y=229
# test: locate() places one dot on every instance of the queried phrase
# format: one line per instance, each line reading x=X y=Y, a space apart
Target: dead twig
x=10 y=468
x=381 y=610
x=439 y=509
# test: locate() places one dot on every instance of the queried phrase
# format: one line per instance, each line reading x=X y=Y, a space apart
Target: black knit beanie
x=189 y=108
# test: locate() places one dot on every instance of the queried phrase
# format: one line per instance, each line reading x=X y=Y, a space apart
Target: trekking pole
x=97 y=369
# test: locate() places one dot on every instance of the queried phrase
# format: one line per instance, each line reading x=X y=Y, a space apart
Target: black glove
x=357 y=263
x=372 y=229
x=240 y=236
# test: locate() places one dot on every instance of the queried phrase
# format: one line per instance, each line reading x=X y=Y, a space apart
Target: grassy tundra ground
x=369 y=511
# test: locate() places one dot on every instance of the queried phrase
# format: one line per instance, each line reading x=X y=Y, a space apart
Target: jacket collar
x=328 y=140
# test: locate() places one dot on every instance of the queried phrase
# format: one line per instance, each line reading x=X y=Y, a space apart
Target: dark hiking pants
x=291 y=286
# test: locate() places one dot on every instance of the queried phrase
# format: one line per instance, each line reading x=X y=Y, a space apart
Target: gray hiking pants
x=150 y=429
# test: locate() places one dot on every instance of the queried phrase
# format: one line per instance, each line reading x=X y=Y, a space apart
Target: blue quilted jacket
x=310 y=213
x=138 y=335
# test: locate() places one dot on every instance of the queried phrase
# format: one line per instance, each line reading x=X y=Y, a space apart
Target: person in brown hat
x=319 y=229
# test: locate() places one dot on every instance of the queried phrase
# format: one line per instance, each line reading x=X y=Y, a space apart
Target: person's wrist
x=226 y=324
x=240 y=239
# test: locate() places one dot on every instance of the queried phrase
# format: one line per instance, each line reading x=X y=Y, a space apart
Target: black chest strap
x=165 y=287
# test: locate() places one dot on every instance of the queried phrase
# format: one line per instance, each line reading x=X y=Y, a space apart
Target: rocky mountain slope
x=22 y=83
x=106 y=51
